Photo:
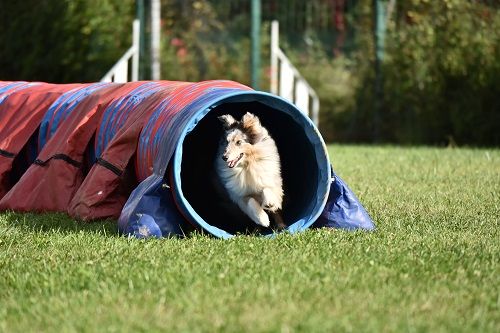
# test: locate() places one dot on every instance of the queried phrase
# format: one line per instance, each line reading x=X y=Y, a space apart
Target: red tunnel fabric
x=51 y=181
x=21 y=111
x=107 y=186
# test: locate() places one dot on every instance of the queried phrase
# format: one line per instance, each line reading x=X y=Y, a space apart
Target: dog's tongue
x=231 y=164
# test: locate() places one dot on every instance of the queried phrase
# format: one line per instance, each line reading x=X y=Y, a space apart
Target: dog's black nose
x=224 y=158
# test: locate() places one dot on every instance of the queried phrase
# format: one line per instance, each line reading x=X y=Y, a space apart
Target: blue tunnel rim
x=275 y=102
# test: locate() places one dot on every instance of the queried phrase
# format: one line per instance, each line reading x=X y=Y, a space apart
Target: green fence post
x=255 y=59
x=379 y=37
x=142 y=37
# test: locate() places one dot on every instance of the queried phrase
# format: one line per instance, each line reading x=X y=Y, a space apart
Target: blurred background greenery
x=440 y=73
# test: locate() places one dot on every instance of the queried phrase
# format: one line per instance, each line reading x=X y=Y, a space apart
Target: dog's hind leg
x=252 y=208
x=278 y=222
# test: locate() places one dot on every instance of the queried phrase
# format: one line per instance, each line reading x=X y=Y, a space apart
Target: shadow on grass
x=56 y=222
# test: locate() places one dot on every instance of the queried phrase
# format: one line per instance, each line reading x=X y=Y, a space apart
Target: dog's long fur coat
x=248 y=165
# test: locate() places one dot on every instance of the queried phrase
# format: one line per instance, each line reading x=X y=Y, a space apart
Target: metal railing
x=287 y=82
x=120 y=71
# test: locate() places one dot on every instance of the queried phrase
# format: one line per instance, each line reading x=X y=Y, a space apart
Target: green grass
x=432 y=265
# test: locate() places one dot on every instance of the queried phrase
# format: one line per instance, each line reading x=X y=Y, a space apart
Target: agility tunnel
x=144 y=153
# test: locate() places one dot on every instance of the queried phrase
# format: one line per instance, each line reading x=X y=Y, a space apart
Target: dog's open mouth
x=233 y=163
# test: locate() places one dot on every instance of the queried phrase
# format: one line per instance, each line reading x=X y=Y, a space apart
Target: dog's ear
x=252 y=127
x=227 y=120
x=250 y=121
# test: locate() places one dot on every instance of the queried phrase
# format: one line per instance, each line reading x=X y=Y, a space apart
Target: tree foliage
x=441 y=76
x=63 y=40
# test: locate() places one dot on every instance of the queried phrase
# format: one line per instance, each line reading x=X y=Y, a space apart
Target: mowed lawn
x=432 y=265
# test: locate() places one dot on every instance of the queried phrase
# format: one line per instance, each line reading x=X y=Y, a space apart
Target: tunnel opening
x=299 y=168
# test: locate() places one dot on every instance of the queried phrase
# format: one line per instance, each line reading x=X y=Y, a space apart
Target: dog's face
x=239 y=137
x=236 y=148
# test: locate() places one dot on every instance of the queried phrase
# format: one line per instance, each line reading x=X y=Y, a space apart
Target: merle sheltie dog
x=248 y=166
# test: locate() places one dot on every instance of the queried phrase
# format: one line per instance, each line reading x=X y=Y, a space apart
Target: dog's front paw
x=270 y=202
x=264 y=219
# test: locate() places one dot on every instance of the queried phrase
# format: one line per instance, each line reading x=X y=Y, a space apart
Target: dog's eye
x=238 y=143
